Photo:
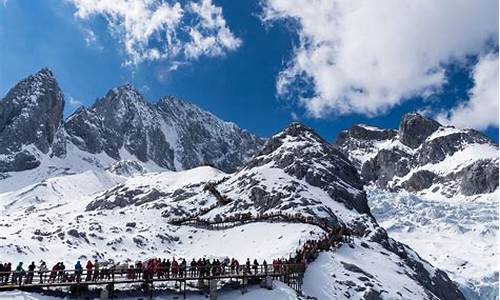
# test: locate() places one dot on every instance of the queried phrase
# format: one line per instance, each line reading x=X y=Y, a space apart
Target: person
x=235 y=266
x=255 y=266
x=200 y=267
x=1 y=273
x=17 y=278
x=247 y=267
x=183 y=268
x=89 y=267
x=96 y=270
x=78 y=271
x=42 y=269
x=31 y=273
x=166 y=266
x=192 y=268
x=61 y=273
x=138 y=268
x=264 y=264
x=175 y=267
x=7 y=267
x=276 y=265
x=53 y=273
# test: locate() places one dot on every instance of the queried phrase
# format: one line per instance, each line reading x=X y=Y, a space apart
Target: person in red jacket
x=175 y=268
x=89 y=267
x=235 y=266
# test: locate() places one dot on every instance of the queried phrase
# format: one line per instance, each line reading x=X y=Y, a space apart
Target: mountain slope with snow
x=435 y=188
x=168 y=135
x=295 y=172
x=423 y=157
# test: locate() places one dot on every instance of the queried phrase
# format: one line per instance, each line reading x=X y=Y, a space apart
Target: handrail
x=111 y=275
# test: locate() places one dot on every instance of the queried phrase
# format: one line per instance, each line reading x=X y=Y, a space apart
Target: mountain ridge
x=170 y=134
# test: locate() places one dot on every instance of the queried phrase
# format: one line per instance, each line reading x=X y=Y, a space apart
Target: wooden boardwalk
x=291 y=274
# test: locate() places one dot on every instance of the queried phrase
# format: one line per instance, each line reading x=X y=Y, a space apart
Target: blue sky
x=239 y=84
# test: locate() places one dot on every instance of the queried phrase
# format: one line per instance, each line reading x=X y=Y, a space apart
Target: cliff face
x=171 y=134
x=423 y=157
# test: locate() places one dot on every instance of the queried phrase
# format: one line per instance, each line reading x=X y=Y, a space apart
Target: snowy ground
x=460 y=237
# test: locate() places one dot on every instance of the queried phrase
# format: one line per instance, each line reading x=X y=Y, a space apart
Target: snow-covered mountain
x=170 y=134
x=435 y=188
x=423 y=157
x=124 y=216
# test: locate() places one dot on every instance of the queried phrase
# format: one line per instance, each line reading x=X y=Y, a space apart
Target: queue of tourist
x=151 y=269
x=175 y=268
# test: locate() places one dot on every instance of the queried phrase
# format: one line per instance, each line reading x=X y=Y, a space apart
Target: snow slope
x=117 y=218
x=459 y=236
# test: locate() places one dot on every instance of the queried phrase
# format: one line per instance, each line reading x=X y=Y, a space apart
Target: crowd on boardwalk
x=157 y=268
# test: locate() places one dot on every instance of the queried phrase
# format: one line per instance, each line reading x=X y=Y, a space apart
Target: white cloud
x=367 y=56
x=73 y=103
x=154 y=30
x=481 y=111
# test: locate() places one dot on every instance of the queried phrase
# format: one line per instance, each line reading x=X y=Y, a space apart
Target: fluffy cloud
x=481 y=111
x=153 y=29
x=367 y=56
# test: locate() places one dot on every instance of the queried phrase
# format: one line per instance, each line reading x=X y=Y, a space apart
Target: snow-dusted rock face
x=297 y=171
x=30 y=114
x=175 y=135
x=423 y=157
x=171 y=134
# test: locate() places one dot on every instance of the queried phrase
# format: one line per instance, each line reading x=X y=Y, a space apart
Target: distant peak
x=415 y=128
x=417 y=117
x=126 y=92
x=46 y=71
x=44 y=74
x=296 y=129
x=125 y=88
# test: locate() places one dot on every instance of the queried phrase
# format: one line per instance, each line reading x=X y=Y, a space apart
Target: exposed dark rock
x=480 y=177
x=30 y=114
x=415 y=128
x=419 y=180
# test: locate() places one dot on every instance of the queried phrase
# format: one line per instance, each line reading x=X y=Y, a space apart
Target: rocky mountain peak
x=424 y=157
x=301 y=153
x=415 y=128
x=30 y=113
x=291 y=136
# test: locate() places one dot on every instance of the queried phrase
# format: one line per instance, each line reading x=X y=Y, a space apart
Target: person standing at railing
x=89 y=267
x=192 y=267
x=96 y=270
x=175 y=267
x=1 y=273
x=138 y=268
x=235 y=266
x=42 y=269
x=60 y=274
x=255 y=266
x=31 y=273
x=264 y=264
x=7 y=268
x=78 y=271
x=248 y=267
x=17 y=277
x=53 y=273
x=183 y=268
x=166 y=267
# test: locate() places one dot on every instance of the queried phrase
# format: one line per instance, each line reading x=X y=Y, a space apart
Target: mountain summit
x=423 y=156
x=170 y=134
